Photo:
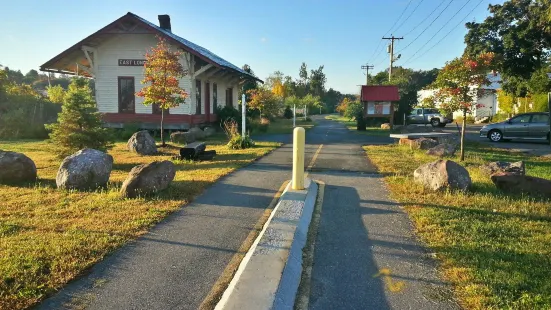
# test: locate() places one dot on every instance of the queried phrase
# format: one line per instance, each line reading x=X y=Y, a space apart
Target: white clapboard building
x=114 y=57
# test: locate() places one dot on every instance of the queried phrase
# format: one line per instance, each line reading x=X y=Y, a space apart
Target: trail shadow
x=344 y=267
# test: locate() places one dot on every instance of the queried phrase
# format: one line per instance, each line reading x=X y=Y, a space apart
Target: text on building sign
x=132 y=62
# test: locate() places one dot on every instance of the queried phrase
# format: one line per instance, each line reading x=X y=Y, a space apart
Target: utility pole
x=391 y=52
x=367 y=67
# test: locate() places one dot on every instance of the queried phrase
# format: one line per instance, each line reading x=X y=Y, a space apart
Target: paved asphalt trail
x=175 y=265
x=362 y=232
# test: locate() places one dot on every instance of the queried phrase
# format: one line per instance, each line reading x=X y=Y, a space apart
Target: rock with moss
x=142 y=143
x=443 y=174
x=87 y=169
x=148 y=179
x=16 y=168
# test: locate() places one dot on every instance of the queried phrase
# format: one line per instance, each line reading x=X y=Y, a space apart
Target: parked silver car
x=428 y=116
x=533 y=126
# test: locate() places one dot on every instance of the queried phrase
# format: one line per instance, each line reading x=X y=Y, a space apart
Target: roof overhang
x=73 y=58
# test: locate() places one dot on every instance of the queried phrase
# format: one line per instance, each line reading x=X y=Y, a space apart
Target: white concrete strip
x=269 y=275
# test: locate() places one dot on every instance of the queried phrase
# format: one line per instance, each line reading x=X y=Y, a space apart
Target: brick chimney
x=164 y=22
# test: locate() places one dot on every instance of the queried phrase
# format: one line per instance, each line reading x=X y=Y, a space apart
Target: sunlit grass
x=494 y=247
x=49 y=236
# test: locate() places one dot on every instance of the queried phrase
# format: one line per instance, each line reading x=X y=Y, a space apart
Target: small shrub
x=360 y=121
x=239 y=142
x=308 y=119
x=288 y=113
x=128 y=130
x=227 y=113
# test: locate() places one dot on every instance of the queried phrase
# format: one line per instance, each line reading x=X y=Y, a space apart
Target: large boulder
x=423 y=143
x=442 y=150
x=385 y=126
x=85 y=170
x=182 y=137
x=209 y=131
x=142 y=143
x=516 y=183
x=405 y=141
x=16 y=167
x=492 y=168
x=442 y=174
x=148 y=179
x=198 y=133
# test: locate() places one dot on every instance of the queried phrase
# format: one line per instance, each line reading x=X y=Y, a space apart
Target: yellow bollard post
x=298 y=158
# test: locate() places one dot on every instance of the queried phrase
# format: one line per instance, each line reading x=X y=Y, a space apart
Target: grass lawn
x=351 y=125
x=283 y=126
x=494 y=247
x=49 y=236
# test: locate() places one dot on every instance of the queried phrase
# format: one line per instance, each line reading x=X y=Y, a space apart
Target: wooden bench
x=196 y=151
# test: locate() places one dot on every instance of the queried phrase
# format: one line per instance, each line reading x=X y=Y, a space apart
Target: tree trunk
x=464 y=124
x=162 y=130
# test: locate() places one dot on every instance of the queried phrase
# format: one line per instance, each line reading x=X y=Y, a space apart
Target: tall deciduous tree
x=56 y=93
x=518 y=32
x=317 y=82
x=79 y=123
x=265 y=101
x=162 y=73
x=459 y=85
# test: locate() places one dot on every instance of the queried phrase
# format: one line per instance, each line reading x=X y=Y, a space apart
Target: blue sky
x=267 y=35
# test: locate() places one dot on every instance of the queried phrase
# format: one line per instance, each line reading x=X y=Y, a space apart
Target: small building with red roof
x=378 y=100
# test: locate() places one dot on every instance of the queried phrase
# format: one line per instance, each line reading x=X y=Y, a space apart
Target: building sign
x=132 y=62
x=378 y=108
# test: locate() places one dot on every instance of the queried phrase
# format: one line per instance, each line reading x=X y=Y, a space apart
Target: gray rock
x=492 y=168
x=423 y=143
x=209 y=131
x=182 y=137
x=442 y=174
x=385 y=126
x=148 y=179
x=442 y=150
x=16 y=167
x=85 y=170
x=516 y=183
x=198 y=133
x=142 y=143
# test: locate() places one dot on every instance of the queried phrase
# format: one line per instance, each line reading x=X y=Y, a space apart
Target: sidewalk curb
x=270 y=273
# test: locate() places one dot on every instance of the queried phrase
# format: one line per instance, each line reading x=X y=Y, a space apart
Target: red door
x=207 y=101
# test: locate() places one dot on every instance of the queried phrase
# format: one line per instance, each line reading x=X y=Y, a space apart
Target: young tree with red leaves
x=459 y=85
x=162 y=73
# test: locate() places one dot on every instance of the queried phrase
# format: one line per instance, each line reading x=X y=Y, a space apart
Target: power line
x=407 y=6
x=443 y=26
x=446 y=35
x=410 y=14
x=389 y=30
x=422 y=21
x=439 y=14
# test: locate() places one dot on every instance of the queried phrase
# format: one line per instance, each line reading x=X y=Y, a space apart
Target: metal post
x=298 y=158
x=243 y=115
x=294 y=115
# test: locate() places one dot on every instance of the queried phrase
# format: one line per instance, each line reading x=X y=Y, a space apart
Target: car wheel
x=495 y=136
x=435 y=122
